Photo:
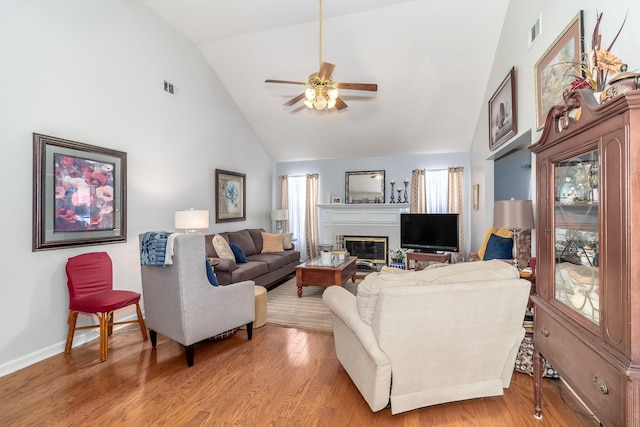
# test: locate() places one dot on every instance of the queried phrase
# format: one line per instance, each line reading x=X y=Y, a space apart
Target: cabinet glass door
x=576 y=234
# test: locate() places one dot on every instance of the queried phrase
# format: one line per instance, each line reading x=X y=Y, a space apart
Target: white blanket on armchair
x=443 y=335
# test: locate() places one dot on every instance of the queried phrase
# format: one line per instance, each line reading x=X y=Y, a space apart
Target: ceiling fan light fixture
x=331 y=103
x=333 y=94
x=310 y=93
x=308 y=103
x=320 y=103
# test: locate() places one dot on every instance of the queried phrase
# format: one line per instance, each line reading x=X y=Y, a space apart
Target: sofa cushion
x=238 y=253
x=256 y=236
x=498 y=248
x=222 y=247
x=291 y=256
x=273 y=260
x=373 y=283
x=244 y=241
x=271 y=242
x=249 y=271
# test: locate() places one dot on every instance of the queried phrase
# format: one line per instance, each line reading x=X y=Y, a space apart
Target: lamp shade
x=191 y=220
x=279 y=215
x=513 y=214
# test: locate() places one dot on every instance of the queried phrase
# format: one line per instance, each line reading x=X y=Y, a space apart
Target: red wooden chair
x=90 y=283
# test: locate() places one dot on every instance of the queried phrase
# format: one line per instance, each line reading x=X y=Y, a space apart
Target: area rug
x=309 y=312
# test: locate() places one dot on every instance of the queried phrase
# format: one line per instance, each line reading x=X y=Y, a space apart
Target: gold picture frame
x=557 y=68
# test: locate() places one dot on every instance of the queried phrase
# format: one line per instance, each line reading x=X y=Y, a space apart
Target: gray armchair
x=181 y=304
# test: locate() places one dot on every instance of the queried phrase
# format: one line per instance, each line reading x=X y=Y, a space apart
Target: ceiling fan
x=322 y=92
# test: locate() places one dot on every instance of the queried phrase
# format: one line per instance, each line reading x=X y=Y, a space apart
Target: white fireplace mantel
x=372 y=219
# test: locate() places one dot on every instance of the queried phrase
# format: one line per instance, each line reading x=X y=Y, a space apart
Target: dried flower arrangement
x=599 y=66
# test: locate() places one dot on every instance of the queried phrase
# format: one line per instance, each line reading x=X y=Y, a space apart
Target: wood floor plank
x=283 y=377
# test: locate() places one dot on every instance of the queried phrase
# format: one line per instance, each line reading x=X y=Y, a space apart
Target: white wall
x=93 y=72
x=513 y=51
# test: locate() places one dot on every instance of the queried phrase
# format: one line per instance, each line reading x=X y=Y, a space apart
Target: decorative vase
x=623 y=82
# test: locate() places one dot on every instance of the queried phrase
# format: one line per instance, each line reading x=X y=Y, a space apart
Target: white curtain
x=284 y=200
x=297 y=194
x=456 y=205
x=418 y=191
x=311 y=216
x=438 y=191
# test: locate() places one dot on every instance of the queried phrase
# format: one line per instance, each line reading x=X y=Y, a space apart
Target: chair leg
x=154 y=337
x=71 y=321
x=110 y=320
x=250 y=330
x=143 y=327
x=104 y=334
x=189 y=351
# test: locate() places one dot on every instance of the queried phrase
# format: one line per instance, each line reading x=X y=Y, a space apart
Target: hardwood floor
x=283 y=377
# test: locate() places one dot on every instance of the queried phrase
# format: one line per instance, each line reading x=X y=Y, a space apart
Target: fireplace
x=369 y=248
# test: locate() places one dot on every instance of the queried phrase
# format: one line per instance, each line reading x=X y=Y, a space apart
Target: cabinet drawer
x=582 y=368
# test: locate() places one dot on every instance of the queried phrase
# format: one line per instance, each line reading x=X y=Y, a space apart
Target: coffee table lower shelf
x=313 y=273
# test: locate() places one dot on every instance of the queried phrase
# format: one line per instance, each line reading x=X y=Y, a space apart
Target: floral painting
x=557 y=68
x=79 y=194
x=230 y=196
x=83 y=194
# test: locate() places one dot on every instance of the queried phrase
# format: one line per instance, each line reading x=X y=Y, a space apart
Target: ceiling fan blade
x=371 y=87
x=340 y=104
x=294 y=100
x=284 y=81
x=326 y=70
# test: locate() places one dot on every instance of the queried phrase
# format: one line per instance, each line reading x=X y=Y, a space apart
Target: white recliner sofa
x=432 y=336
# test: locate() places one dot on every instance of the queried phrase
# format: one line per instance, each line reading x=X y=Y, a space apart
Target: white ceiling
x=431 y=61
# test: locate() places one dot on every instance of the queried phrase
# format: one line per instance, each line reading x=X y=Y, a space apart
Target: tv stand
x=426 y=256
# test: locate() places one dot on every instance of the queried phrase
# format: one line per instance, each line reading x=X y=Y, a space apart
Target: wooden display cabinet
x=587 y=301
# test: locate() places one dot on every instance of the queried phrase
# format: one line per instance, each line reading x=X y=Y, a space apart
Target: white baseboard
x=81 y=337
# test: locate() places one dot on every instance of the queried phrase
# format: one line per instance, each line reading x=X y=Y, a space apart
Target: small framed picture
x=502 y=112
x=336 y=200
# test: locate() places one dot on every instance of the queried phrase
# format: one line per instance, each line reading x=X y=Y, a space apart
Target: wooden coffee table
x=313 y=273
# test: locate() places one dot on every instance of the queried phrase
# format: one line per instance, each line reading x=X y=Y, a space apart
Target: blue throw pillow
x=238 y=254
x=498 y=248
x=211 y=275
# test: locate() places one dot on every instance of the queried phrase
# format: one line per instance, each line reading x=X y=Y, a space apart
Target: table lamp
x=515 y=215
x=191 y=220
x=278 y=216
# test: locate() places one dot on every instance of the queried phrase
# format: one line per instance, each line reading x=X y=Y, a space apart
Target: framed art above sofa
x=230 y=196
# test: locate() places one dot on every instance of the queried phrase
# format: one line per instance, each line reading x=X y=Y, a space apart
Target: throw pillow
x=222 y=247
x=286 y=240
x=211 y=275
x=238 y=254
x=271 y=242
x=498 y=248
x=502 y=232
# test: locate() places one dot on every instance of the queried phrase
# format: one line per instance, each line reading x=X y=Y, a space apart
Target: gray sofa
x=265 y=269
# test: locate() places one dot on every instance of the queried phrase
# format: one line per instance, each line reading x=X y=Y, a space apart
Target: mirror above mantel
x=364 y=187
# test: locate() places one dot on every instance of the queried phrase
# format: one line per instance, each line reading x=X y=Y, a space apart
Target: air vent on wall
x=535 y=31
x=170 y=88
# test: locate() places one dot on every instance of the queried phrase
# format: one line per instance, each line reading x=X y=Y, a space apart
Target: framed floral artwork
x=557 y=68
x=502 y=112
x=79 y=194
x=230 y=196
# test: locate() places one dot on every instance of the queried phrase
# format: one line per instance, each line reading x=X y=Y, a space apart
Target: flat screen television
x=429 y=232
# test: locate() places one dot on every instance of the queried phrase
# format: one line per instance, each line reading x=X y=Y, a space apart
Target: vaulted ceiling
x=431 y=61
